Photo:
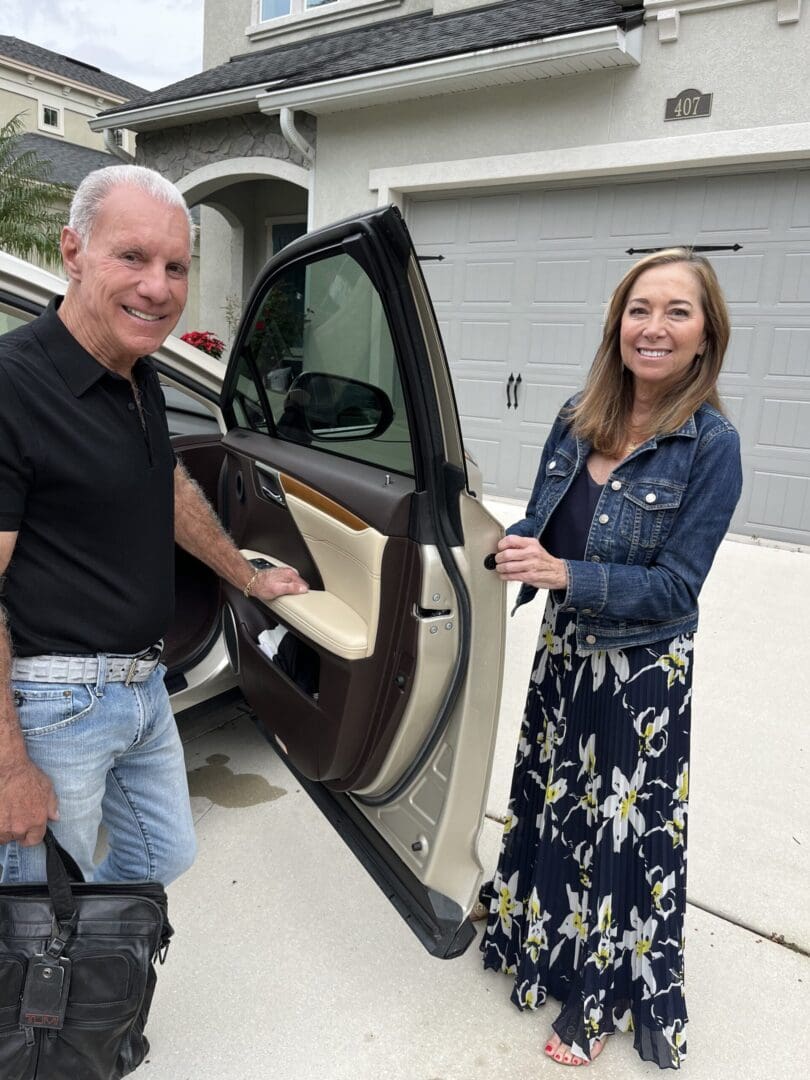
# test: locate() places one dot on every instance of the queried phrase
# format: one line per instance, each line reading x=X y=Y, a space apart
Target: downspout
x=294 y=137
x=112 y=147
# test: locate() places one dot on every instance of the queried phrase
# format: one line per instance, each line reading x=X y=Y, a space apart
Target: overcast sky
x=148 y=42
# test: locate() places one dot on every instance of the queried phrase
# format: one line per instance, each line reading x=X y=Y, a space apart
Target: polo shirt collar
x=75 y=364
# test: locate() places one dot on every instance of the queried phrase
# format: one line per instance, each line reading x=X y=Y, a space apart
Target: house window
x=275 y=9
x=50 y=117
x=118 y=137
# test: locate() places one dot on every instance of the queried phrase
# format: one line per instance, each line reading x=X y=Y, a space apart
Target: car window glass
x=319 y=358
x=186 y=414
x=10 y=318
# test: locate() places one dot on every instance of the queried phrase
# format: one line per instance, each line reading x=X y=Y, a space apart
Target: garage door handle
x=518 y=381
x=509 y=382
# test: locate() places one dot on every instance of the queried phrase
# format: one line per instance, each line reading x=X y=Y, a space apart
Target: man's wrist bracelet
x=247 y=589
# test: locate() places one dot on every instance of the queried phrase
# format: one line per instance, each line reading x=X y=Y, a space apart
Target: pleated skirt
x=589 y=895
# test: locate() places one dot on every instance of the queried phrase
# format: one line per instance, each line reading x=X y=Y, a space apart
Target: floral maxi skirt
x=590 y=890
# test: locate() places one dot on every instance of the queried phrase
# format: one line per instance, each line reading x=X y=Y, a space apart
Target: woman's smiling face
x=663 y=325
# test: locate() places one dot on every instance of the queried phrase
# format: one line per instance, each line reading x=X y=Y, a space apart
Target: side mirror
x=328 y=407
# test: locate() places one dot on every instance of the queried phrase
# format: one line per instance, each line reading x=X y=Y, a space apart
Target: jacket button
x=595 y=558
x=587 y=611
x=552 y=464
x=616 y=485
x=603 y=519
x=590 y=639
x=650 y=498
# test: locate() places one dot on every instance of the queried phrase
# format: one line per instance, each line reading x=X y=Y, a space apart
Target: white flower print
x=598 y=663
x=640 y=941
x=675 y=662
x=572 y=926
x=508 y=904
x=652 y=731
x=536 y=936
x=675 y=1036
x=661 y=890
x=621 y=806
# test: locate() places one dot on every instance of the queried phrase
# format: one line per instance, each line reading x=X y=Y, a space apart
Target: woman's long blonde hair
x=602 y=413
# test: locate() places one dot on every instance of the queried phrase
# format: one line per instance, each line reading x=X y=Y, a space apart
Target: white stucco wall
x=756 y=69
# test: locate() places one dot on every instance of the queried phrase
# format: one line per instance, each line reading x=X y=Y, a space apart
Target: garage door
x=520 y=291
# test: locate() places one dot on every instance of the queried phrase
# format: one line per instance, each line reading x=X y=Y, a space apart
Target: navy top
x=566 y=534
x=90 y=493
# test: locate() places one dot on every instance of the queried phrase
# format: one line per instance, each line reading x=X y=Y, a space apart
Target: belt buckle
x=133 y=664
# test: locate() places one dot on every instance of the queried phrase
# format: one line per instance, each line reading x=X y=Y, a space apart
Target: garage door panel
x=485 y=341
x=800 y=210
x=561 y=281
x=440 y=278
x=489 y=282
x=742 y=350
x=528 y=457
x=795 y=286
x=790 y=355
x=779 y=497
x=734 y=406
x=740 y=276
x=746 y=205
x=784 y=424
x=567 y=215
x=561 y=343
x=480 y=399
x=494 y=220
x=641 y=210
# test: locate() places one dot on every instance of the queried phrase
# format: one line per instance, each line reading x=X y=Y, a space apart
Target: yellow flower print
x=555 y=789
x=507 y=904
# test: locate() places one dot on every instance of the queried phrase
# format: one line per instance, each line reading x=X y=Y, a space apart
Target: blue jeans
x=114 y=756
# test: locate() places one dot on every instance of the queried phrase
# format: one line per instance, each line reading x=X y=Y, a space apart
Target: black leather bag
x=77 y=973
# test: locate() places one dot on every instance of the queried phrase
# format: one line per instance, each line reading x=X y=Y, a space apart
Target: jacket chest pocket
x=648 y=511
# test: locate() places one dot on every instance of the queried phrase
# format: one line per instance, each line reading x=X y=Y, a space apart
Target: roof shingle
x=76 y=70
x=69 y=162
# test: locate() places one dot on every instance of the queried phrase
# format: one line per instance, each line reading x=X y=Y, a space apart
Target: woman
x=636 y=487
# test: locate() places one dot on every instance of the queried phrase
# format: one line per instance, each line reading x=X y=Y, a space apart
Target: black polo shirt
x=90 y=492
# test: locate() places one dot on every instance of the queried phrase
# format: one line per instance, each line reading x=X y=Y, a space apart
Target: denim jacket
x=656 y=529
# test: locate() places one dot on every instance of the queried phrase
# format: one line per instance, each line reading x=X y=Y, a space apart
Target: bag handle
x=61 y=869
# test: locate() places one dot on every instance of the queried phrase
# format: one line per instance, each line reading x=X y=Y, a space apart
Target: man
x=91 y=502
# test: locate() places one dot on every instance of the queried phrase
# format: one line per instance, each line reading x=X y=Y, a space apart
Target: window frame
x=53 y=129
x=301 y=16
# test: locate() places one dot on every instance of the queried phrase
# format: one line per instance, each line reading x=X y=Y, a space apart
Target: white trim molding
x=783 y=142
x=198 y=185
x=668 y=12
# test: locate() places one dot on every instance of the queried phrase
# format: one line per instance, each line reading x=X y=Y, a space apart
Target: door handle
x=270 y=483
x=518 y=381
x=509 y=382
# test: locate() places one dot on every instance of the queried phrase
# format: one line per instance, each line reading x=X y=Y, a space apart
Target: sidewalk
x=289 y=963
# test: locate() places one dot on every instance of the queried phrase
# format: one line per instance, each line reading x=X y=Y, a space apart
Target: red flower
x=206 y=341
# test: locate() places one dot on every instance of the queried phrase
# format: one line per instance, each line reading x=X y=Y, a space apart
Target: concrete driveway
x=289 y=963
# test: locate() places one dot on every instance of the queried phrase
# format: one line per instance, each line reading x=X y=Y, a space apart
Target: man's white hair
x=97 y=185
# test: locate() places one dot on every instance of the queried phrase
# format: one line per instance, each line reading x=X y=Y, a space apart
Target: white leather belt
x=85 y=669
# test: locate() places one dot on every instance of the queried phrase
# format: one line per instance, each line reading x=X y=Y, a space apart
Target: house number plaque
x=688 y=105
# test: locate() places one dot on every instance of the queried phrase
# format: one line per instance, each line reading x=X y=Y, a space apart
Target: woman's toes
x=553 y=1044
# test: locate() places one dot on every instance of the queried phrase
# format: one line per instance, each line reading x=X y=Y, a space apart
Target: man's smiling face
x=129 y=282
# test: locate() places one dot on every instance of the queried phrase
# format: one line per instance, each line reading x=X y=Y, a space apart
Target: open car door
x=343 y=458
